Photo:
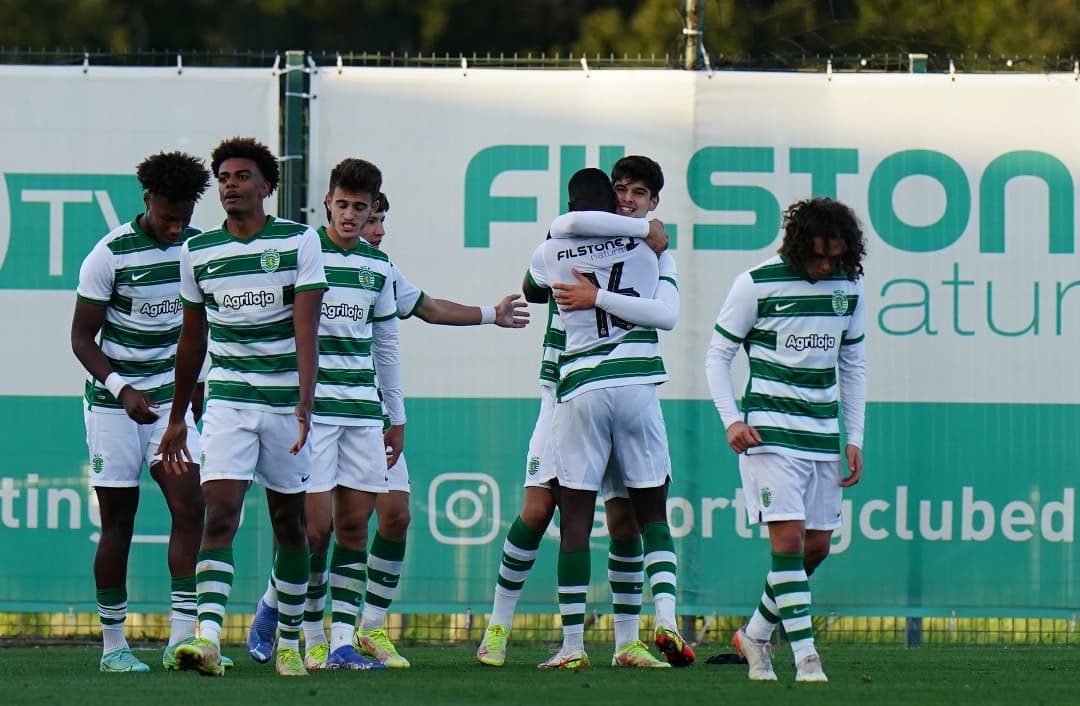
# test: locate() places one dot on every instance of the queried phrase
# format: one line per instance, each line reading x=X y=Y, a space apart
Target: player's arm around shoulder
x=535 y=287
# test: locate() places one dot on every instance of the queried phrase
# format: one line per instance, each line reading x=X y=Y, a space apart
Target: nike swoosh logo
x=304 y=479
x=784 y=307
x=211 y=269
x=136 y=278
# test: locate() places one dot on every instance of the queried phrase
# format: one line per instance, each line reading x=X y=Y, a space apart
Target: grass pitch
x=450 y=675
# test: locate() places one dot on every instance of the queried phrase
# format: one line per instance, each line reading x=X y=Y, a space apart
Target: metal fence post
x=293 y=195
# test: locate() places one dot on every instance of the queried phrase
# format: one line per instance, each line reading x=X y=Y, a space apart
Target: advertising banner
x=965 y=189
x=70 y=140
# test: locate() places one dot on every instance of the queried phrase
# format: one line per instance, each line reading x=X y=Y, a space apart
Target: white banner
x=69 y=143
x=965 y=189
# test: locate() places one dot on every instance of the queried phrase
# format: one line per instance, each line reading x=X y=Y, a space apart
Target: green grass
x=450 y=675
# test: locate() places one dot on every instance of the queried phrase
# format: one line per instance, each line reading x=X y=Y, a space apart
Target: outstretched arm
x=510 y=312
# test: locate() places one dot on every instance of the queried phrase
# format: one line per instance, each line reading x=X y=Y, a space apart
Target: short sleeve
x=97 y=276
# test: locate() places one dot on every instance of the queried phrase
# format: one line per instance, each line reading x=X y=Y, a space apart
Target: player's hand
x=512 y=312
x=658 y=239
x=854 y=465
x=741 y=436
x=394 y=440
x=579 y=295
x=138 y=406
x=302 y=412
x=173 y=449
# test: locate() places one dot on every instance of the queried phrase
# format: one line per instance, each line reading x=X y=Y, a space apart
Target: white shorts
x=246 y=444
x=622 y=424
x=399 y=475
x=540 y=469
x=779 y=487
x=353 y=457
x=119 y=446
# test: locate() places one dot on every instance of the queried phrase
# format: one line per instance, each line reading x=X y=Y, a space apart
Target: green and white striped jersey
x=793 y=330
x=602 y=350
x=247 y=287
x=138 y=281
x=361 y=291
x=409 y=296
x=554 y=345
x=555 y=333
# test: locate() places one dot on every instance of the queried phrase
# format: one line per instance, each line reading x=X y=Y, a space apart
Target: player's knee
x=537 y=514
x=394 y=525
x=621 y=522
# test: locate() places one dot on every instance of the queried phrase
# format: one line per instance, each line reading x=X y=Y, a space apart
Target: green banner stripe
x=816 y=378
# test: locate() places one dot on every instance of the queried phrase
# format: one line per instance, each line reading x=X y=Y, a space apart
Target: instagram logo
x=463 y=508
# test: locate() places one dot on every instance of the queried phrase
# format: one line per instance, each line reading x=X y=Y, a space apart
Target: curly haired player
x=129 y=289
x=799 y=315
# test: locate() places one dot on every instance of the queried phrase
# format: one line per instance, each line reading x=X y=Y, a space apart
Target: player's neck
x=347 y=244
x=144 y=225
x=245 y=225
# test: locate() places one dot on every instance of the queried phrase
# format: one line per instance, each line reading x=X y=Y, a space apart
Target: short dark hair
x=638 y=168
x=590 y=189
x=176 y=176
x=248 y=148
x=357 y=176
x=383 y=203
x=826 y=218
